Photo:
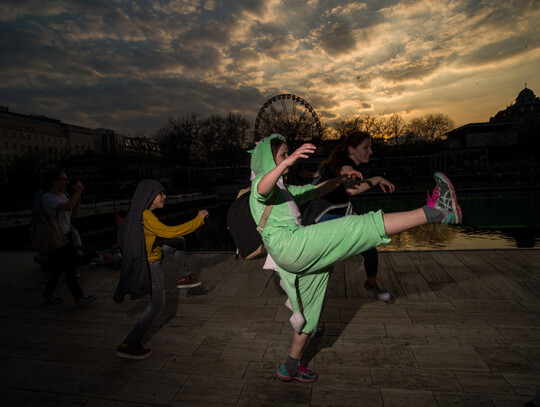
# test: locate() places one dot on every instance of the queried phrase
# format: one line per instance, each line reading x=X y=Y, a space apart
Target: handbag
x=46 y=234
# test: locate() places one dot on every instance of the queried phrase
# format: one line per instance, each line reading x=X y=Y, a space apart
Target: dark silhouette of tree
x=177 y=137
x=431 y=127
x=395 y=128
x=221 y=140
x=371 y=124
x=233 y=135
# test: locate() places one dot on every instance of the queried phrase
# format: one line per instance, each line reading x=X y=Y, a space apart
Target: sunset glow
x=127 y=66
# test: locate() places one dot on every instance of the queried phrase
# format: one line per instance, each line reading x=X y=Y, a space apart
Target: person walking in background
x=59 y=207
x=354 y=149
x=304 y=255
x=141 y=272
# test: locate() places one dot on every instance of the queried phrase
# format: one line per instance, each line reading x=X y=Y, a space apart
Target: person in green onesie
x=304 y=255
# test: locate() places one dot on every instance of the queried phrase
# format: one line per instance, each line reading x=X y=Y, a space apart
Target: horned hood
x=262 y=160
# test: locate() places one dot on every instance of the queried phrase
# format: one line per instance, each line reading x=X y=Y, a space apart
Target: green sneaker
x=302 y=375
x=444 y=199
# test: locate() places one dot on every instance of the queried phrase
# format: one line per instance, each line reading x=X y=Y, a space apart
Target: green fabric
x=304 y=255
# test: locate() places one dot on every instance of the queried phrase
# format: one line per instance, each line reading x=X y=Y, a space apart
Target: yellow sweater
x=154 y=228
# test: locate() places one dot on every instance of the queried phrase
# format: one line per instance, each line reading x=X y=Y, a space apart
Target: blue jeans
x=154 y=307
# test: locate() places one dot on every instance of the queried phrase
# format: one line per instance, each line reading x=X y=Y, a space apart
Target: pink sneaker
x=187 y=282
x=444 y=199
x=129 y=350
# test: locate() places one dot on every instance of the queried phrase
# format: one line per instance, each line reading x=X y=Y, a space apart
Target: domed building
x=518 y=125
x=525 y=110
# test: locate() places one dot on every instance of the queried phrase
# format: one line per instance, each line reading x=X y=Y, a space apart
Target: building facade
x=48 y=139
x=40 y=136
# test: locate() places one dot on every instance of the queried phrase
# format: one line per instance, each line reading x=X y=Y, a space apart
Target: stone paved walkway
x=463 y=331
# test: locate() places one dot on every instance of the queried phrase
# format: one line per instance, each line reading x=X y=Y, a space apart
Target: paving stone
x=152 y=387
x=532 y=355
x=352 y=397
x=273 y=392
x=468 y=331
x=483 y=382
x=524 y=383
x=503 y=400
x=340 y=377
x=430 y=317
x=367 y=355
x=224 y=327
x=354 y=329
x=58 y=377
x=174 y=343
x=206 y=366
x=504 y=359
x=245 y=349
x=408 y=331
x=408 y=398
x=414 y=379
x=209 y=391
x=388 y=316
x=520 y=333
x=439 y=340
x=15 y=371
x=448 y=357
x=104 y=382
x=445 y=399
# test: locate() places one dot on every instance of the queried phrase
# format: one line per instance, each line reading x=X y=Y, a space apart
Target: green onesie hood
x=262 y=160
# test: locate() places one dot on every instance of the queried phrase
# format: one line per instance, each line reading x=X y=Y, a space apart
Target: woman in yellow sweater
x=143 y=250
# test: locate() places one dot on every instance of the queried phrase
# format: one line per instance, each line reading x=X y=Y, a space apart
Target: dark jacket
x=135 y=275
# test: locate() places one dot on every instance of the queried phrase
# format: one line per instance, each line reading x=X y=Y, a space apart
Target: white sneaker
x=379 y=292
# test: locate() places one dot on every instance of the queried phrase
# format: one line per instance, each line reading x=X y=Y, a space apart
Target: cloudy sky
x=129 y=64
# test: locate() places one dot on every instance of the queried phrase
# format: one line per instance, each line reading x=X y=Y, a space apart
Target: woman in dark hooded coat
x=141 y=272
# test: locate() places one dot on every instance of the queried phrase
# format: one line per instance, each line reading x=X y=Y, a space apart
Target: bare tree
x=232 y=137
x=221 y=140
x=431 y=127
x=178 y=135
x=371 y=124
x=395 y=127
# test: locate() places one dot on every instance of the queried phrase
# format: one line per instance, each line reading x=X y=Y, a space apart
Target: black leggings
x=63 y=261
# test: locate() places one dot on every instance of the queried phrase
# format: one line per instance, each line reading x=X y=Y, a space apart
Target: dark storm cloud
x=413 y=70
x=338 y=40
x=500 y=51
x=127 y=65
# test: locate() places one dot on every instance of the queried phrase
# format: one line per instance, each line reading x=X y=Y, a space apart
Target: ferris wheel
x=289 y=115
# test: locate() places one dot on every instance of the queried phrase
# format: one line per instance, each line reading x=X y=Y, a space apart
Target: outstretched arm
x=357 y=188
x=269 y=180
x=345 y=178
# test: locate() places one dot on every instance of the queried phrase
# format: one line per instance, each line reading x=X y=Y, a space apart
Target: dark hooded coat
x=135 y=275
